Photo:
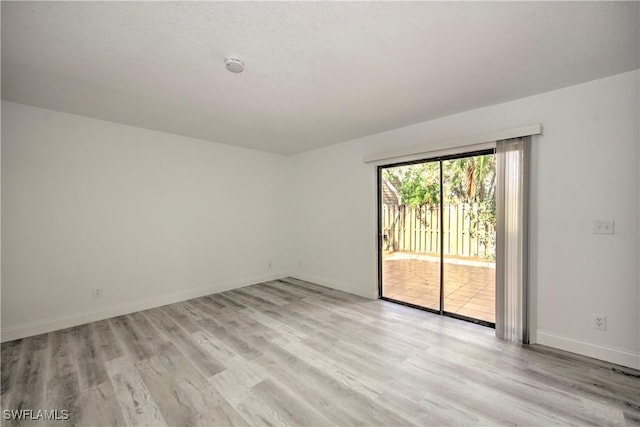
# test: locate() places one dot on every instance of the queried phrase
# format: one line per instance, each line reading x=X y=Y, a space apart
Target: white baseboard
x=11 y=333
x=369 y=294
x=608 y=354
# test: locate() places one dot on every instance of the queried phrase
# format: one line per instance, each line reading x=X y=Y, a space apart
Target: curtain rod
x=423 y=149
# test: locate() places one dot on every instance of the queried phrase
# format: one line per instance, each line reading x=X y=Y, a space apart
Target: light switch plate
x=603 y=226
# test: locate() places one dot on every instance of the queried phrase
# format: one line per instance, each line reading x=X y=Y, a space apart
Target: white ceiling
x=316 y=73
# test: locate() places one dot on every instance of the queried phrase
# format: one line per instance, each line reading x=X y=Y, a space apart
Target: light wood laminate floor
x=289 y=352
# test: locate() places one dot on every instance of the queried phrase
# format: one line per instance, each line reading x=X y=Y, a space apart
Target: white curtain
x=512 y=207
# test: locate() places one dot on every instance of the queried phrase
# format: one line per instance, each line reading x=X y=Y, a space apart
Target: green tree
x=470 y=179
x=473 y=180
x=467 y=180
x=417 y=184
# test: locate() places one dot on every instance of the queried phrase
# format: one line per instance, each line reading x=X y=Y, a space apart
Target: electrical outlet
x=599 y=322
x=269 y=264
x=602 y=226
x=97 y=292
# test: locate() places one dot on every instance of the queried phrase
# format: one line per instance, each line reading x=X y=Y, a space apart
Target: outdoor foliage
x=467 y=180
x=416 y=184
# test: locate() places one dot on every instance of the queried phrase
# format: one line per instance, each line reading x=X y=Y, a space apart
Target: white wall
x=585 y=167
x=149 y=217
x=153 y=218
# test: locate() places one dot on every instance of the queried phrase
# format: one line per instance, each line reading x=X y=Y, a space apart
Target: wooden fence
x=417 y=229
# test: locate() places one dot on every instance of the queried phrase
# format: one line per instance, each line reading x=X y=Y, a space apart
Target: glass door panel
x=440 y=256
x=410 y=234
x=469 y=237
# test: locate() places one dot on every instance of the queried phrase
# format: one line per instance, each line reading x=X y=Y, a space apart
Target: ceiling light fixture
x=233 y=64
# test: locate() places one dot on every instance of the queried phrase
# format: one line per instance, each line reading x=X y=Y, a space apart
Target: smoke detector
x=233 y=64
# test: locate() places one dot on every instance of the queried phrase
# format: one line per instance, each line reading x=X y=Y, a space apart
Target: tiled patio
x=469 y=287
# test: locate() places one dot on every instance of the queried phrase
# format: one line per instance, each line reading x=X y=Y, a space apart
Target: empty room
x=320 y=213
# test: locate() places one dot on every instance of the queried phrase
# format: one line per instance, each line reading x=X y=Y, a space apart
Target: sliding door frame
x=440 y=160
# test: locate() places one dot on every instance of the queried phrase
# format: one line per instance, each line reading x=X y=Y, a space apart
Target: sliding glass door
x=410 y=221
x=437 y=235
